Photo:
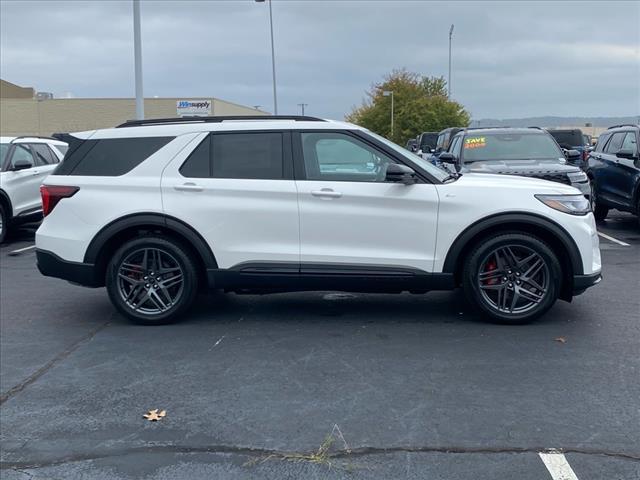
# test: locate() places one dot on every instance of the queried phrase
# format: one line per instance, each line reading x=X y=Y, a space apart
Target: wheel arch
x=111 y=236
x=555 y=235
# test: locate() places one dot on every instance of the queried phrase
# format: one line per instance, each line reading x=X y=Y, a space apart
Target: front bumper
x=582 y=282
x=52 y=265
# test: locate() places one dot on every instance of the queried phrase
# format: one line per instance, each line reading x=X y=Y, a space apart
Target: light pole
x=387 y=93
x=273 y=59
x=450 y=35
x=137 y=56
x=302 y=105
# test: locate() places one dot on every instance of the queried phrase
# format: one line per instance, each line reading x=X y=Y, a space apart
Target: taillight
x=52 y=194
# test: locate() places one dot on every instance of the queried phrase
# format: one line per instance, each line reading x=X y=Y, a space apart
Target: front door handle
x=188 y=187
x=326 y=193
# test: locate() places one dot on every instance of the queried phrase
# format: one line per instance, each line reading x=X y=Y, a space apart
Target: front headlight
x=571 y=204
x=578 y=177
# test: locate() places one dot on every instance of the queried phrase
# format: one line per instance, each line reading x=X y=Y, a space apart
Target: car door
x=236 y=190
x=607 y=182
x=624 y=170
x=23 y=186
x=349 y=214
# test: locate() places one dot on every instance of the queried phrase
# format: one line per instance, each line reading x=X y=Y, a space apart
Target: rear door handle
x=188 y=187
x=326 y=193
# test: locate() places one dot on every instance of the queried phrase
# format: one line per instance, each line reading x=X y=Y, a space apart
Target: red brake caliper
x=490 y=266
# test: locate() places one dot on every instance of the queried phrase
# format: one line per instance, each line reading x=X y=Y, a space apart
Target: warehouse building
x=23 y=111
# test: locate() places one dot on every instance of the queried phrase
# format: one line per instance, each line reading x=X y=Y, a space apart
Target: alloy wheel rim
x=150 y=281
x=513 y=279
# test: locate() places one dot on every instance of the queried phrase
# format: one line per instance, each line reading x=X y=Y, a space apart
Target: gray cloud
x=511 y=59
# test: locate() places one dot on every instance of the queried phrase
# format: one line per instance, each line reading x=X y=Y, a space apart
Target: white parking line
x=557 y=465
x=615 y=240
x=20 y=250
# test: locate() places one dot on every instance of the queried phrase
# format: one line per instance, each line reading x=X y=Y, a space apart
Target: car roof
x=486 y=131
x=175 y=129
x=27 y=139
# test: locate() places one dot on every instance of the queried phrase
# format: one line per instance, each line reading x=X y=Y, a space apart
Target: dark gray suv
x=527 y=152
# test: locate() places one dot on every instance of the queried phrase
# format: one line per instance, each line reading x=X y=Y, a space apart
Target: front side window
x=615 y=143
x=509 y=146
x=340 y=157
x=22 y=153
x=630 y=142
x=602 y=141
x=4 y=148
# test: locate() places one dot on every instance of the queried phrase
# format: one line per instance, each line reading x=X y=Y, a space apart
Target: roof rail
x=216 y=119
x=32 y=136
x=623 y=125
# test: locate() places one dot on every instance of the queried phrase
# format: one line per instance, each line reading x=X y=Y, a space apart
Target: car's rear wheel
x=512 y=277
x=600 y=211
x=152 y=280
x=3 y=224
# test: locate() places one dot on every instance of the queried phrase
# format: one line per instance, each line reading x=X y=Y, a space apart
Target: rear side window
x=44 y=156
x=61 y=148
x=110 y=157
x=248 y=155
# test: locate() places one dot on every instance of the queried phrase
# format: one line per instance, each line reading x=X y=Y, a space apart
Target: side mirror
x=448 y=157
x=573 y=155
x=22 y=165
x=400 y=174
x=626 y=154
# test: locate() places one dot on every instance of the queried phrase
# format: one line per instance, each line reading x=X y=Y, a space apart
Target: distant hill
x=554 y=121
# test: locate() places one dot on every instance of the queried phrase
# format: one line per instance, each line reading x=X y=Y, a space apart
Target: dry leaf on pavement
x=561 y=340
x=155 y=415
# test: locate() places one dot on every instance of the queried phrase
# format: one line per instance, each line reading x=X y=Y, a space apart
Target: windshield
x=413 y=158
x=3 y=152
x=509 y=146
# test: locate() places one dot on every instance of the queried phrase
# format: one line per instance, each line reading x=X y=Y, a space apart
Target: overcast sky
x=510 y=59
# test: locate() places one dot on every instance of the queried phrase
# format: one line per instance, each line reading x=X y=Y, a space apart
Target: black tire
x=4 y=224
x=148 y=294
x=600 y=211
x=509 y=278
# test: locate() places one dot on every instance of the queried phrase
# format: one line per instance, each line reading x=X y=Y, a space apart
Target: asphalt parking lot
x=404 y=386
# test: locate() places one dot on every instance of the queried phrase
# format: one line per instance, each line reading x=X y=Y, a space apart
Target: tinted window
x=4 y=148
x=630 y=142
x=198 y=165
x=567 y=138
x=615 y=143
x=455 y=146
x=428 y=140
x=61 y=148
x=340 y=157
x=602 y=141
x=22 y=152
x=43 y=154
x=110 y=157
x=247 y=155
x=509 y=146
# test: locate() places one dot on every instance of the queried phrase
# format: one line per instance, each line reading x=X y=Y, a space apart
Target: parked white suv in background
x=24 y=163
x=157 y=209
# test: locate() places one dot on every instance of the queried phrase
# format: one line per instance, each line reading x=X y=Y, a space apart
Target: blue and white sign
x=193 y=108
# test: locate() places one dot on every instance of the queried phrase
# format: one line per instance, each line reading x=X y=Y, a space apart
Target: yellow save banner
x=475 y=142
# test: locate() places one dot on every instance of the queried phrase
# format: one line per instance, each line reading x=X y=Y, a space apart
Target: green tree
x=420 y=105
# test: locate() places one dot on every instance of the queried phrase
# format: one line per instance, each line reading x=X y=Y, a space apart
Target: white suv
x=157 y=209
x=24 y=163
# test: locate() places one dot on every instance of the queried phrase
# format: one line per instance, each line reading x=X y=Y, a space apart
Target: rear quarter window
x=110 y=157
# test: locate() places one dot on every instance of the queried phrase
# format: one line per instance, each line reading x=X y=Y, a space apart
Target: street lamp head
x=450 y=30
x=386 y=93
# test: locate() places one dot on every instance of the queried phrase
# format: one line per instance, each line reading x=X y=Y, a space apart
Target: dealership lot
x=408 y=386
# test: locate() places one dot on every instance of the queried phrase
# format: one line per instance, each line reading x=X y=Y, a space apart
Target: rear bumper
x=582 y=282
x=52 y=265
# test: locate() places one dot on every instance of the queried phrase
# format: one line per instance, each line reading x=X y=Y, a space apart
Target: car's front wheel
x=3 y=224
x=152 y=280
x=512 y=277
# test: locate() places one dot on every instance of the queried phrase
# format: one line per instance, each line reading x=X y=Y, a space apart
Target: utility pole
x=137 y=54
x=449 y=82
x=302 y=105
x=387 y=93
x=273 y=59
